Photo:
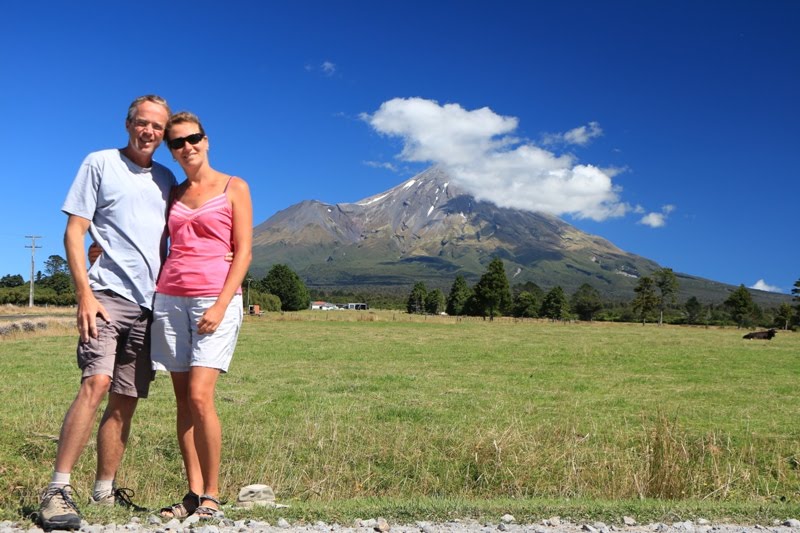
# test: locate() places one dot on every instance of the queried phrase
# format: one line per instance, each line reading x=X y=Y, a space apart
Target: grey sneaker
x=121 y=497
x=58 y=511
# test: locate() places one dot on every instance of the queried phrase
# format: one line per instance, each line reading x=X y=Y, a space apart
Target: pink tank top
x=199 y=241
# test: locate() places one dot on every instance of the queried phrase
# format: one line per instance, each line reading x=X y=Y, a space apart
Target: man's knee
x=94 y=389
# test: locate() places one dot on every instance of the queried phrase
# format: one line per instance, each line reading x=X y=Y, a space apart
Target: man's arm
x=88 y=306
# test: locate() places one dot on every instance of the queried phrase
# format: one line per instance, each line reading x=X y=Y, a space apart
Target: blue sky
x=669 y=128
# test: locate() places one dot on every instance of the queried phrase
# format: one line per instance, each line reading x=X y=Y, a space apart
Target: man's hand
x=88 y=311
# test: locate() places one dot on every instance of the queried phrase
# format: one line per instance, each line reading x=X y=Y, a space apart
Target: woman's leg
x=186 y=431
x=207 y=429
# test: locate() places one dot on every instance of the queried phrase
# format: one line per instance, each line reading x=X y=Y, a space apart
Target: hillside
x=427 y=229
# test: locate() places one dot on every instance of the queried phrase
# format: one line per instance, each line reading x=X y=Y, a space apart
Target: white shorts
x=176 y=346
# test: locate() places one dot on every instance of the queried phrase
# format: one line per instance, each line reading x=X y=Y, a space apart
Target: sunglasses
x=180 y=142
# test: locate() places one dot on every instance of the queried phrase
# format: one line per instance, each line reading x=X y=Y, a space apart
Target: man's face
x=146 y=130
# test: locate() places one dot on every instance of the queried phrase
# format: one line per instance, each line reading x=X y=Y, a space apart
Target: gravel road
x=507 y=524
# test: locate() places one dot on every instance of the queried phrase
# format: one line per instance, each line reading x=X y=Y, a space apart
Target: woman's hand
x=210 y=320
x=94 y=252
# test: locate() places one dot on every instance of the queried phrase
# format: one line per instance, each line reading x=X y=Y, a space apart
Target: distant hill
x=427 y=229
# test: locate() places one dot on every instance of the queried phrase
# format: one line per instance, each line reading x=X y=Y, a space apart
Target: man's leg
x=57 y=509
x=112 y=436
x=131 y=381
x=79 y=422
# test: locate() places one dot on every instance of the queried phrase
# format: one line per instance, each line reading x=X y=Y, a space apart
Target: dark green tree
x=667 y=283
x=530 y=287
x=416 y=299
x=526 y=305
x=740 y=306
x=434 y=302
x=646 y=300
x=12 y=281
x=472 y=307
x=459 y=294
x=492 y=291
x=693 y=310
x=284 y=283
x=586 y=302
x=59 y=281
x=784 y=316
x=55 y=264
x=555 y=306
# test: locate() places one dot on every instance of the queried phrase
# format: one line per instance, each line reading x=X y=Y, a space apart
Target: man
x=120 y=197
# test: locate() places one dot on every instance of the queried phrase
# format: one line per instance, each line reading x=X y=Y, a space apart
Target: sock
x=103 y=488
x=59 y=480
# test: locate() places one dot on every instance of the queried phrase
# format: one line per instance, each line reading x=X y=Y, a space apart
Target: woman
x=198 y=305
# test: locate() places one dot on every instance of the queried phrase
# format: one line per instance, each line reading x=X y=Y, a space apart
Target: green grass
x=357 y=414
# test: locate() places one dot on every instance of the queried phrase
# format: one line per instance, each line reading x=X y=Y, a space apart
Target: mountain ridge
x=429 y=229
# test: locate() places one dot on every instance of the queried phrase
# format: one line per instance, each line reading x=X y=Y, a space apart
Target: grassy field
x=351 y=414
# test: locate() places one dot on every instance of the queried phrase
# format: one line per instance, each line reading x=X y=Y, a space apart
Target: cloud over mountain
x=478 y=149
x=762 y=285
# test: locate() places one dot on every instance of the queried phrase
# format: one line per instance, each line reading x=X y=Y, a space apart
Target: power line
x=33 y=248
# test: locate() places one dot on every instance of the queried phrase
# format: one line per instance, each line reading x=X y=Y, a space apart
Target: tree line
x=654 y=299
x=280 y=289
x=51 y=287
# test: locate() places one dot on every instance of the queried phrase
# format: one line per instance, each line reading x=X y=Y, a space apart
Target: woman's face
x=188 y=146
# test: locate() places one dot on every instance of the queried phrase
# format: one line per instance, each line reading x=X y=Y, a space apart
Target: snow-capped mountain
x=427 y=229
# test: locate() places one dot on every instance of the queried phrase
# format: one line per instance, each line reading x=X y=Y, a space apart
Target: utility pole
x=33 y=248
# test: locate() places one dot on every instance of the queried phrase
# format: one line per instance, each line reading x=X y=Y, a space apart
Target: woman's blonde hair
x=181 y=118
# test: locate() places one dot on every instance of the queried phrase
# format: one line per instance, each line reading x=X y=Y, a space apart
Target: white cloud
x=580 y=136
x=762 y=285
x=328 y=68
x=477 y=148
x=381 y=164
x=654 y=220
x=583 y=134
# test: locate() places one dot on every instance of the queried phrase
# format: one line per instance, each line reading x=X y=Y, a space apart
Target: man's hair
x=134 y=107
x=181 y=118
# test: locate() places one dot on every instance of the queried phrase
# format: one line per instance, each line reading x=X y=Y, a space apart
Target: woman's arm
x=239 y=195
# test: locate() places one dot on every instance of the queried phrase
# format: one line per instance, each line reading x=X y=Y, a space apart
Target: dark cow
x=764 y=335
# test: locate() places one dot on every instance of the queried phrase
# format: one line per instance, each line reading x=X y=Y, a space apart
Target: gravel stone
x=550 y=525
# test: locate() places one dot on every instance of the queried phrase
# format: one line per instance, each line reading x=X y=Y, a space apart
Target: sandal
x=204 y=512
x=182 y=509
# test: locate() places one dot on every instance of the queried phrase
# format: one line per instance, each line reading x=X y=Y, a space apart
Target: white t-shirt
x=127 y=205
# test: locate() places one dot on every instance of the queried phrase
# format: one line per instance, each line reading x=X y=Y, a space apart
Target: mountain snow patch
x=377 y=199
